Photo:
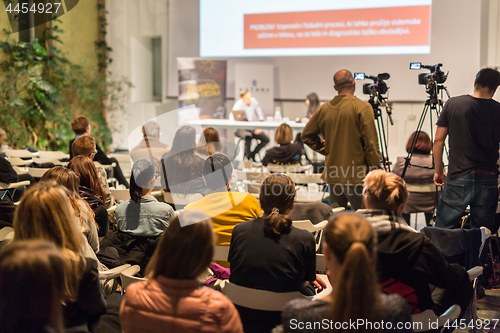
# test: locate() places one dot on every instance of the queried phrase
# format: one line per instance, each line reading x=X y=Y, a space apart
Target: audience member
x=287 y=152
x=350 y=256
x=91 y=191
x=7 y=209
x=85 y=145
x=268 y=253
x=419 y=172
x=226 y=209
x=209 y=143
x=143 y=215
x=407 y=257
x=81 y=126
x=84 y=214
x=182 y=168
x=45 y=213
x=312 y=101
x=9 y=175
x=150 y=148
x=32 y=287
x=171 y=298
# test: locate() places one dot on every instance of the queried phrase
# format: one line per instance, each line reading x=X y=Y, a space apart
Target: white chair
x=21 y=153
x=179 y=199
x=428 y=318
x=37 y=172
x=293 y=168
x=258 y=299
x=125 y=163
x=221 y=252
x=6 y=233
x=127 y=276
x=52 y=155
x=120 y=194
x=4 y=186
x=19 y=162
x=307 y=225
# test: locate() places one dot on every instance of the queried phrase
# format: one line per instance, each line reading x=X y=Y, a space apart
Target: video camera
x=436 y=74
x=379 y=86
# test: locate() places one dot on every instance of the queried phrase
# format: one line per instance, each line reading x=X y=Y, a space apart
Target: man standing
x=344 y=131
x=253 y=112
x=472 y=122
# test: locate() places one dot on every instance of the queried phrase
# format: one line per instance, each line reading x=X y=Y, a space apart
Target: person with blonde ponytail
x=268 y=253
x=350 y=256
x=407 y=261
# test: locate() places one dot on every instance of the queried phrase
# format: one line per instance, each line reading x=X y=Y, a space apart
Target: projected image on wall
x=232 y=28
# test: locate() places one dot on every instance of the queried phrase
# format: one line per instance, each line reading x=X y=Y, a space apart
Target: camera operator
x=472 y=123
x=344 y=131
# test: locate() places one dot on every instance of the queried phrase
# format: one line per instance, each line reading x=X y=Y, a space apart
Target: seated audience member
x=45 y=213
x=143 y=215
x=171 y=298
x=84 y=214
x=407 y=257
x=419 y=172
x=350 y=256
x=226 y=209
x=81 y=126
x=182 y=168
x=150 y=148
x=9 y=175
x=91 y=191
x=32 y=287
x=85 y=145
x=209 y=143
x=268 y=253
x=312 y=102
x=287 y=152
x=7 y=209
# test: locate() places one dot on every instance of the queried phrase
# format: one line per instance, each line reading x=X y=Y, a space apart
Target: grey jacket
x=147 y=218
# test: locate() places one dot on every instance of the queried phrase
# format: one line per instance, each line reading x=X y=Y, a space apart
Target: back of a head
x=184 y=141
x=423 y=145
x=384 y=190
x=277 y=194
x=487 y=78
x=85 y=169
x=83 y=145
x=284 y=134
x=63 y=176
x=217 y=171
x=142 y=173
x=79 y=125
x=313 y=101
x=183 y=252
x=210 y=142
x=243 y=92
x=351 y=239
x=31 y=287
x=45 y=213
x=343 y=80
x=151 y=129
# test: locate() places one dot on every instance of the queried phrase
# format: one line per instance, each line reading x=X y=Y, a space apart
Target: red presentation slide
x=388 y=26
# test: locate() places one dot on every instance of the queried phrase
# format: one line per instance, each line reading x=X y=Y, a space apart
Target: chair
x=6 y=233
x=292 y=168
x=315 y=229
x=21 y=153
x=250 y=165
x=430 y=188
x=428 y=318
x=221 y=253
x=19 y=162
x=125 y=163
x=127 y=276
x=180 y=200
x=4 y=186
x=52 y=155
x=37 y=172
x=258 y=299
x=120 y=194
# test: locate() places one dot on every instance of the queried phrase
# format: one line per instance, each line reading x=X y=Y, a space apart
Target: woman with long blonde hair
x=350 y=256
x=45 y=213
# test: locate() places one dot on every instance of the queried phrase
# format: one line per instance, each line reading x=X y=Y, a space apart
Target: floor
x=488 y=306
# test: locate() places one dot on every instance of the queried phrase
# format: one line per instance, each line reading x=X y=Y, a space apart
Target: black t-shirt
x=474 y=134
x=260 y=262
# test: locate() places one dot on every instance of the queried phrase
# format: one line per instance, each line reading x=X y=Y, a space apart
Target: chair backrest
x=302 y=178
x=127 y=276
x=6 y=233
x=249 y=176
x=307 y=225
x=250 y=164
x=427 y=318
x=53 y=155
x=120 y=194
x=421 y=188
x=221 y=252
x=19 y=153
x=258 y=299
x=293 y=168
x=5 y=186
x=37 y=172
x=181 y=199
x=17 y=161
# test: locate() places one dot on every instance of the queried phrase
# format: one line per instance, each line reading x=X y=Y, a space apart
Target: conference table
x=246 y=125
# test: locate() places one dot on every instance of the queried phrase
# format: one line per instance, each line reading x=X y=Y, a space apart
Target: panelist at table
x=253 y=112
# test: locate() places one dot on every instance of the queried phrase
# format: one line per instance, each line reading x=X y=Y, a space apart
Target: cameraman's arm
x=441 y=134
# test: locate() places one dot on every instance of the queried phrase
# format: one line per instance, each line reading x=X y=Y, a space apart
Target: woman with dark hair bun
x=268 y=253
x=143 y=215
x=420 y=172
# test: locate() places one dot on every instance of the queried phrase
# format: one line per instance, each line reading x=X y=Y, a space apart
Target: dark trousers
x=340 y=195
x=249 y=136
x=118 y=173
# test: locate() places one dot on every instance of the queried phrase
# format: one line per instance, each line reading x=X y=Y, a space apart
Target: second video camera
x=436 y=74
x=378 y=85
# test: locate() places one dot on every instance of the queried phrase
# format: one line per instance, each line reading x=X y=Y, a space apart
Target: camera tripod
x=433 y=103
x=380 y=126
